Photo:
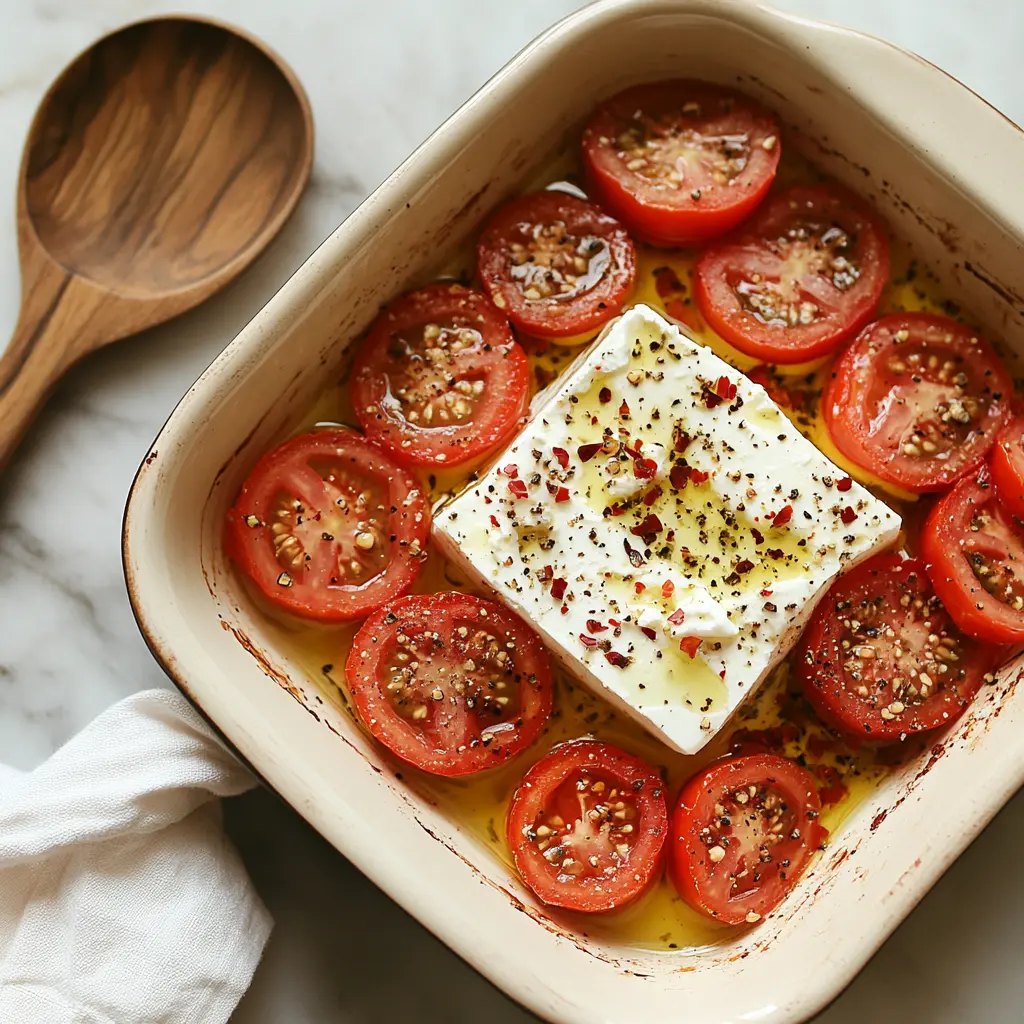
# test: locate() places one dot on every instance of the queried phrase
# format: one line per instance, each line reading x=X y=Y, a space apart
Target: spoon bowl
x=158 y=166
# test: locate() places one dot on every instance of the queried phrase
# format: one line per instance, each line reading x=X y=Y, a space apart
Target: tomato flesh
x=328 y=527
x=804 y=275
x=1008 y=467
x=743 y=831
x=975 y=554
x=439 y=379
x=450 y=683
x=882 y=659
x=680 y=162
x=587 y=826
x=557 y=265
x=917 y=400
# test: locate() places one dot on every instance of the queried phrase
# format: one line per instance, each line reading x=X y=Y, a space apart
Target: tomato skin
x=945 y=542
x=641 y=785
x=516 y=222
x=865 y=403
x=680 y=215
x=757 y=250
x=311 y=594
x=443 y=614
x=699 y=878
x=494 y=358
x=877 y=587
x=1007 y=467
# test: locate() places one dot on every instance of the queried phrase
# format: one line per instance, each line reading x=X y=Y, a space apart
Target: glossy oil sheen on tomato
x=661 y=920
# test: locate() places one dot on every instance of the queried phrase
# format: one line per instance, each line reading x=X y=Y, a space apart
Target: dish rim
x=305 y=279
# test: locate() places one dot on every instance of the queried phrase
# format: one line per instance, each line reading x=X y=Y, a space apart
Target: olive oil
x=776 y=718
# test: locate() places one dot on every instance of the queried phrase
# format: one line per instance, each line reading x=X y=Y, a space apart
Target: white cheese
x=626 y=559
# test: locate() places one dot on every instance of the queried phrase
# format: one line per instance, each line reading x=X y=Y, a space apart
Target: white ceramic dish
x=942 y=166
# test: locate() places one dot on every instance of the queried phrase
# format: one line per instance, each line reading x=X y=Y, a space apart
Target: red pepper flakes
x=648 y=632
x=614 y=622
x=651 y=525
x=588 y=641
x=723 y=391
x=845 y=484
x=562 y=494
x=667 y=589
x=604 y=396
x=558 y=588
x=690 y=645
x=847 y=515
x=644 y=469
x=624 y=410
x=545 y=574
x=666 y=282
x=596 y=627
x=562 y=455
x=511 y=470
x=765 y=593
x=652 y=496
x=616 y=659
x=587 y=451
x=639 y=587
x=744 y=566
x=679 y=476
x=757 y=535
x=676 y=618
x=698 y=476
x=783 y=516
x=518 y=488
x=617 y=510
x=635 y=558
x=681 y=440
x=832 y=789
x=494 y=522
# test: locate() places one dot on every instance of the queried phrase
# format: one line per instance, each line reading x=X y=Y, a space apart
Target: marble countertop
x=380 y=76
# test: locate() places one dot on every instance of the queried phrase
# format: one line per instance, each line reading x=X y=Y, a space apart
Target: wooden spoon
x=158 y=166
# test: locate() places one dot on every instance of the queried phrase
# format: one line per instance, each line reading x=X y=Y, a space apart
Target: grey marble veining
x=381 y=76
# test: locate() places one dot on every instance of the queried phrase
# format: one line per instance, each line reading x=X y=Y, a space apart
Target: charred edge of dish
x=825 y=150
x=535 y=915
x=1009 y=297
x=295 y=692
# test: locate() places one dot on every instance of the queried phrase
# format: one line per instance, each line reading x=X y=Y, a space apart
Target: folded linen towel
x=121 y=899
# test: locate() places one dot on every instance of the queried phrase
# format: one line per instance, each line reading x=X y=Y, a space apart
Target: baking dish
x=934 y=158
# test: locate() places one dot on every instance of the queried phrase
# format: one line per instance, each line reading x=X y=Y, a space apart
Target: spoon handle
x=53 y=332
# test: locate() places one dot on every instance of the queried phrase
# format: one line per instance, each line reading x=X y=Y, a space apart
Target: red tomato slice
x=556 y=264
x=439 y=380
x=728 y=856
x=1008 y=467
x=450 y=683
x=680 y=162
x=587 y=826
x=881 y=658
x=917 y=400
x=328 y=527
x=975 y=556
x=803 y=276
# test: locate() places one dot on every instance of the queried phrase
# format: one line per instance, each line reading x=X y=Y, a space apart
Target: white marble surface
x=380 y=75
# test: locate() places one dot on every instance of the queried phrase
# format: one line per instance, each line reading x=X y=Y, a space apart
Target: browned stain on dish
x=1011 y=298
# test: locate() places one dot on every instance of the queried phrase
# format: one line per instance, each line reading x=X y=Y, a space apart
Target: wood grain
x=157 y=167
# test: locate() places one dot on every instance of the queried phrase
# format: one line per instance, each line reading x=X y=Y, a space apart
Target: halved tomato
x=558 y=266
x=975 y=556
x=680 y=162
x=802 y=276
x=917 y=400
x=439 y=379
x=587 y=826
x=882 y=659
x=742 y=833
x=450 y=683
x=328 y=527
x=1008 y=467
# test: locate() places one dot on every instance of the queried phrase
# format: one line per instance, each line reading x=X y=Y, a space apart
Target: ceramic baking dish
x=943 y=167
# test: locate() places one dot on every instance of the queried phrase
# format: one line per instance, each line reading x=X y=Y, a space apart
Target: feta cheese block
x=664 y=527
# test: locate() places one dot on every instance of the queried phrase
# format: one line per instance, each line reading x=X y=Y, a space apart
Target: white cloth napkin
x=121 y=899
